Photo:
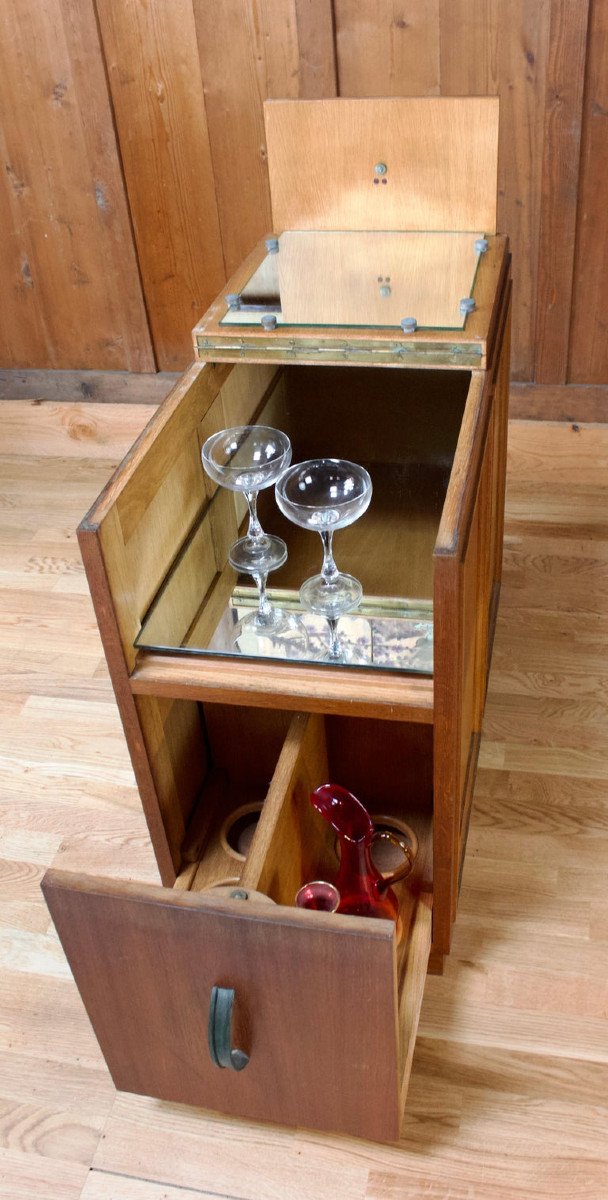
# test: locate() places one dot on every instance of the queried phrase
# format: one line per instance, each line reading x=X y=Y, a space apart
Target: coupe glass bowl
x=246 y=459
x=325 y=494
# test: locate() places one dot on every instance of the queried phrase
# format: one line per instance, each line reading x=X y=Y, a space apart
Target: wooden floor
x=509 y=1094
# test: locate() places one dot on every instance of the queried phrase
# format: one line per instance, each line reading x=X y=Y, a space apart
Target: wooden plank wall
x=135 y=174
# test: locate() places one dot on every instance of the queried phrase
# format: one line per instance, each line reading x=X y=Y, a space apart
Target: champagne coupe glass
x=325 y=494
x=246 y=459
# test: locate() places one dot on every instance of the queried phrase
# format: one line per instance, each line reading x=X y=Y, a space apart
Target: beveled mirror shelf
x=403 y=427
x=361 y=278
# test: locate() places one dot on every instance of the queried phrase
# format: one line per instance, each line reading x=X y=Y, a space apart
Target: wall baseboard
x=104 y=387
x=559 y=402
x=527 y=401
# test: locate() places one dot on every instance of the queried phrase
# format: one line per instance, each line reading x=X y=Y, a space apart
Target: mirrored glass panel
x=371 y=280
x=402 y=428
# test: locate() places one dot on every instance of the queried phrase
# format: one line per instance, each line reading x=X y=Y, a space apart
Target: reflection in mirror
x=363 y=279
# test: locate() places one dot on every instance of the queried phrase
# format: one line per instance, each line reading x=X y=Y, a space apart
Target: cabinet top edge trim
x=472 y=340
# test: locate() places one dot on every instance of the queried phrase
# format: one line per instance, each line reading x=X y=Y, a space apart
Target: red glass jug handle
x=402 y=872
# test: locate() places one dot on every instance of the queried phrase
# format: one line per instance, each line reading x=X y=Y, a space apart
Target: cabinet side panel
x=448 y=657
x=462 y=603
x=110 y=636
x=501 y=402
x=467 y=578
x=159 y=109
x=129 y=541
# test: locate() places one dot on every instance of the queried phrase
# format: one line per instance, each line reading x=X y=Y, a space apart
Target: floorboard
x=509 y=1093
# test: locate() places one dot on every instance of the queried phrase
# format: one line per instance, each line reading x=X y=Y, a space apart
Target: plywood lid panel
x=440 y=155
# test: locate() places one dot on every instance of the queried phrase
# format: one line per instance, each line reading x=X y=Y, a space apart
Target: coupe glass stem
x=264 y=605
x=329 y=570
x=335 y=649
x=255 y=531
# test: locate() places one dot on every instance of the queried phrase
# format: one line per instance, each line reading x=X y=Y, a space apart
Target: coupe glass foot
x=331 y=599
x=254 y=556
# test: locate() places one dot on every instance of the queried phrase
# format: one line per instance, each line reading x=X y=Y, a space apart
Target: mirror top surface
x=360 y=279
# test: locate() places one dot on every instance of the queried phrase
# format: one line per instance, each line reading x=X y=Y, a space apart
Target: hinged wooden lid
x=381 y=164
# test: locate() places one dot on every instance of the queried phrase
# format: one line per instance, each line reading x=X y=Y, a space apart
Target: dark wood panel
x=522 y=50
x=71 y=295
x=504 y=49
x=160 y=114
x=127 y=541
x=188 y=81
x=468 y=565
x=249 y=53
x=561 y=402
x=588 y=342
x=560 y=171
x=102 y=387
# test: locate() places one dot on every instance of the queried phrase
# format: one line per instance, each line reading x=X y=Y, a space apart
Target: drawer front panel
x=315 y=1002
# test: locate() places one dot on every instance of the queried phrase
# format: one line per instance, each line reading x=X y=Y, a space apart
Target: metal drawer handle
x=220 y=1031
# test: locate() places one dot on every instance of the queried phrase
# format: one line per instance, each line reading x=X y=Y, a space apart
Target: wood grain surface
x=559 y=184
x=248 y=53
x=321 y=159
x=388 y=49
x=588 y=355
x=561 y=402
x=159 y=105
x=507 y=1099
x=72 y=294
x=116 y=387
x=146 y=958
x=168 y=97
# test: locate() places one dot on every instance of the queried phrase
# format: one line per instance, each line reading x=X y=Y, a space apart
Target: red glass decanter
x=364 y=892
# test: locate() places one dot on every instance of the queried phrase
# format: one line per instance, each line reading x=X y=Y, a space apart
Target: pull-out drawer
x=325 y=1006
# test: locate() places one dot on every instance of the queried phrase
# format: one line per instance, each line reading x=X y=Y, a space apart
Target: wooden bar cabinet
x=373 y=325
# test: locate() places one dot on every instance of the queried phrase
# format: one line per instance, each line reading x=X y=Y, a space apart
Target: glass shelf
x=403 y=427
x=361 y=279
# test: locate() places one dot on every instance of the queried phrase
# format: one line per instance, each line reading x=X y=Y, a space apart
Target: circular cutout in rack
x=237 y=832
x=387 y=858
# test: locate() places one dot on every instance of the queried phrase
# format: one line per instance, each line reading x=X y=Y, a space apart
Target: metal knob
x=272 y=245
x=467 y=305
x=409 y=324
x=380 y=168
x=220 y=1031
x=481 y=245
x=233 y=300
x=268 y=321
